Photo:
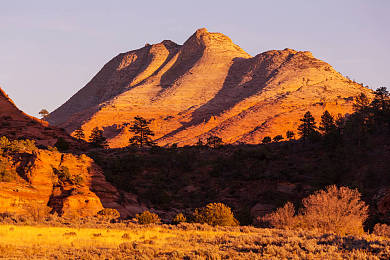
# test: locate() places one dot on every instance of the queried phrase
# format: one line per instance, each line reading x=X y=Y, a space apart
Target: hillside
x=207 y=86
x=15 y=124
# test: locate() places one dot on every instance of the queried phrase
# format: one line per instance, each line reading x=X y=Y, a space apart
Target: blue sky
x=51 y=49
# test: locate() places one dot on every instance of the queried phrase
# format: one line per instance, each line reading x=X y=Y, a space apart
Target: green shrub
x=147 y=218
x=64 y=175
x=109 y=214
x=16 y=146
x=6 y=174
x=179 y=218
x=216 y=214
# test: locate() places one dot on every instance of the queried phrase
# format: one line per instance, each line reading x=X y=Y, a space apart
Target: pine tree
x=214 y=141
x=290 y=135
x=43 y=113
x=79 y=133
x=266 y=140
x=142 y=132
x=97 y=139
x=278 y=138
x=308 y=129
x=327 y=124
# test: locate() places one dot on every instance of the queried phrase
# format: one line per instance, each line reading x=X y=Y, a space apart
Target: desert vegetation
x=328 y=213
x=184 y=241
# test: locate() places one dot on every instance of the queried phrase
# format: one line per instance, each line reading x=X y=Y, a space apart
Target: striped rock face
x=207 y=86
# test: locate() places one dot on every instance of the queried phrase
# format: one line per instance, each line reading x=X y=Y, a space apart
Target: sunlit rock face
x=40 y=188
x=207 y=86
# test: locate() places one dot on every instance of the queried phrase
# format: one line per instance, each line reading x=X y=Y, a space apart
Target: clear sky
x=51 y=49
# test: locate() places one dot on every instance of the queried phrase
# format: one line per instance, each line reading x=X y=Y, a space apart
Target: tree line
x=369 y=116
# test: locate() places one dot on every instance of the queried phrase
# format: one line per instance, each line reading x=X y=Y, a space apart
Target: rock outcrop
x=71 y=185
x=207 y=86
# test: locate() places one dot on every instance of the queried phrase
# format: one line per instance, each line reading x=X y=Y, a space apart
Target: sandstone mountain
x=15 y=124
x=207 y=86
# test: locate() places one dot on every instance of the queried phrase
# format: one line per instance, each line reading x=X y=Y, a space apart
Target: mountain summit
x=207 y=86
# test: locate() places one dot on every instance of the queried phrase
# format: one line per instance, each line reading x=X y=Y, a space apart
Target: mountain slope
x=15 y=124
x=207 y=86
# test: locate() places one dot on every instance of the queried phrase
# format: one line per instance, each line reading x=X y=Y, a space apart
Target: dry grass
x=185 y=241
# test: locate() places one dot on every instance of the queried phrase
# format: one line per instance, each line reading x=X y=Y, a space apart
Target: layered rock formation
x=207 y=86
x=46 y=183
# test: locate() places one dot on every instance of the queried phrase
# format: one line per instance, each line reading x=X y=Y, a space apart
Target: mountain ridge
x=207 y=86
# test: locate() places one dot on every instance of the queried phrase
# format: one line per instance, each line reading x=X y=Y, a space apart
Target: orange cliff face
x=207 y=86
x=40 y=187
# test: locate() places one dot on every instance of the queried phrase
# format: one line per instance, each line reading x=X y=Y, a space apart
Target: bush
x=216 y=214
x=109 y=214
x=62 y=145
x=148 y=218
x=6 y=174
x=64 y=176
x=381 y=230
x=179 y=218
x=335 y=209
x=8 y=147
x=282 y=217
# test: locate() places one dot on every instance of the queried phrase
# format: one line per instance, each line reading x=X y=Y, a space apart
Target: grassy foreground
x=185 y=241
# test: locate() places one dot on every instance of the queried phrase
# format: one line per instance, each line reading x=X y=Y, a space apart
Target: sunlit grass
x=193 y=241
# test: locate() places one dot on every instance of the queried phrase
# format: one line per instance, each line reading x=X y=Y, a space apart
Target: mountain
x=15 y=124
x=207 y=86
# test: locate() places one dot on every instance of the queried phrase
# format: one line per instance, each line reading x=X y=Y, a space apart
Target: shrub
x=381 y=230
x=282 y=217
x=6 y=174
x=335 y=209
x=62 y=145
x=109 y=214
x=179 y=218
x=338 y=210
x=16 y=146
x=215 y=214
x=148 y=218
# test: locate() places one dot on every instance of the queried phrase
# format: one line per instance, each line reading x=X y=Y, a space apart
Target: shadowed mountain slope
x=207 y=86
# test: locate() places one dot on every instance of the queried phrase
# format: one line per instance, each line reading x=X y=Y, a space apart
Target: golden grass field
x=185 y=241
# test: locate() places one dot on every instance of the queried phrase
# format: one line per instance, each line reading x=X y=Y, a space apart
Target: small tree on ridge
x=142 y=132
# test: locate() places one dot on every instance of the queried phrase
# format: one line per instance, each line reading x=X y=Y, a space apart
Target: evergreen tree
x=308 y=129
x=142 y=132
x=278 y=138
x=327 y=124
x=199 y=143
x=79 y=133
x=290 y=135
x=214 y=141
x=362 y=103
x=266 y=140
x=381 y=107
x=43 y=113
x=97 y=139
